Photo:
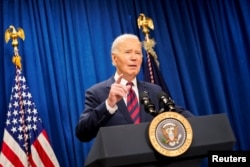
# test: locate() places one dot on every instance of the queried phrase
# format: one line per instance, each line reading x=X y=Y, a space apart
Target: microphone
x=168 y=103
x=148 y=105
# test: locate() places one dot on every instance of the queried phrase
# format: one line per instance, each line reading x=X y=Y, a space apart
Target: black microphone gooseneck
x=166 y=101
x=148 y=105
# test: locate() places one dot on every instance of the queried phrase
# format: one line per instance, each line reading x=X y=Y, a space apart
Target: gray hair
x=120 y=39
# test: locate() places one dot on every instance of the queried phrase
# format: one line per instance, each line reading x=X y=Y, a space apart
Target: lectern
x=128 y=145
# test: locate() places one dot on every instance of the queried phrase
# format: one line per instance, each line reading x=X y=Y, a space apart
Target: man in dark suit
x=106 y=102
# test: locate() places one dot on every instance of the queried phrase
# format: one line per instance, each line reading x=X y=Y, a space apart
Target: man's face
x=129 y=58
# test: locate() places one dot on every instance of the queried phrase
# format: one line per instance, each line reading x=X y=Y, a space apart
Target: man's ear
x=114 y=57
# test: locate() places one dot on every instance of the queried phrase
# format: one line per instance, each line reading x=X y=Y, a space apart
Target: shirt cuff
x=111 y=109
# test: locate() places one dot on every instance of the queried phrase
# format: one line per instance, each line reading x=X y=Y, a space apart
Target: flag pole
x=12 y=34
x=146 y=23
x=25 y=140
x=152 y=71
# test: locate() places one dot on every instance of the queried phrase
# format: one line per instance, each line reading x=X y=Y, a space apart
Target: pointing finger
x=118 y=81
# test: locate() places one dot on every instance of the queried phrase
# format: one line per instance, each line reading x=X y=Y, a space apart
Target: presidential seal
x=170 y=134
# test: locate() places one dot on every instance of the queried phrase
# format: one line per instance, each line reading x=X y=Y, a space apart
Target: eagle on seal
x=170 y=133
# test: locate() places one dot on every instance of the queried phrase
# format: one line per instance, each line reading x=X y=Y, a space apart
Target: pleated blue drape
x=203 y=47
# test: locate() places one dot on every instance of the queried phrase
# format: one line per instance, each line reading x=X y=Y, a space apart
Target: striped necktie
x=133 y=105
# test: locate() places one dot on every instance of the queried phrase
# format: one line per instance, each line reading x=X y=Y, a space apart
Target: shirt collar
x=124 y=81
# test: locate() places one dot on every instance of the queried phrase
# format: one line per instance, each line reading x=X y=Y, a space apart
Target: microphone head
x=148 y=105
x=162 y=94
x=163 y=97
x=144 y=96
x=167 y=102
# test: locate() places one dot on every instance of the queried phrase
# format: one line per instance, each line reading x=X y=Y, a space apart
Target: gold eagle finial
x=146 y=23
x=11 y=33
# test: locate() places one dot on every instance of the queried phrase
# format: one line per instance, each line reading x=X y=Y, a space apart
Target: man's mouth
x=132 y=66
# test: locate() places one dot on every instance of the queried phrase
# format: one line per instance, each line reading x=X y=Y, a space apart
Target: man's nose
x=133 y=56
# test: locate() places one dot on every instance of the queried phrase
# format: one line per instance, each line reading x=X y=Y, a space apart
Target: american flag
x=25 y=141
x=153 y=74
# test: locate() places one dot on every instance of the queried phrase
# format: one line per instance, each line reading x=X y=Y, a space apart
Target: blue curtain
x=203 y=47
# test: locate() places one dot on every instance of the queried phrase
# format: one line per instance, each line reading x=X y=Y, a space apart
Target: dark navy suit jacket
x=95 y=114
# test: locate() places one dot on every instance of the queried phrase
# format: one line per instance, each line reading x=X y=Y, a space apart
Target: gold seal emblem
x=170 y=134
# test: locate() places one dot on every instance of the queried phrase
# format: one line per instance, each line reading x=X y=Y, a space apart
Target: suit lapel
x=121 y=104
x=123 y=109
x=141 y=88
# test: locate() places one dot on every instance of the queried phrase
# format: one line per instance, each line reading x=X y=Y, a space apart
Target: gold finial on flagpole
x=147 y=23
x=11 y=33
